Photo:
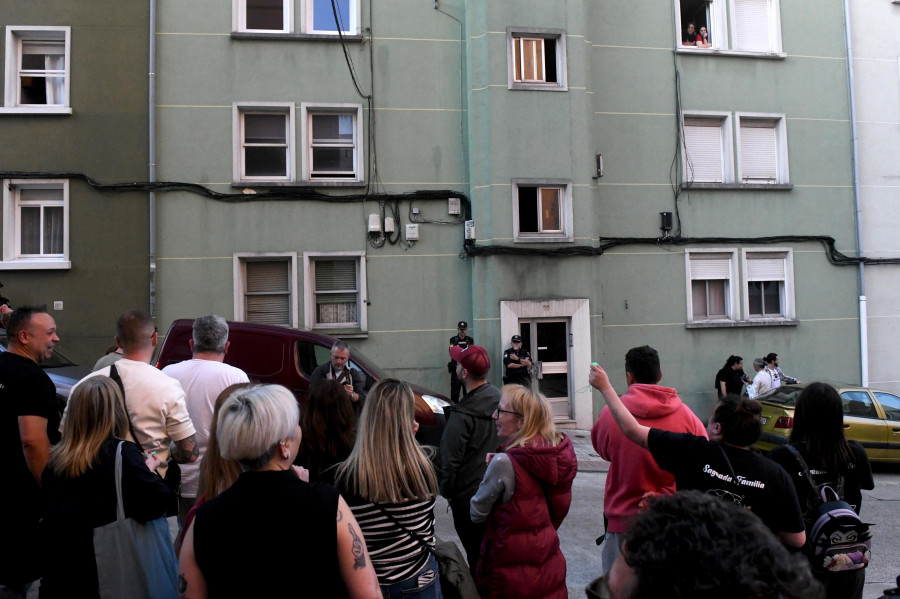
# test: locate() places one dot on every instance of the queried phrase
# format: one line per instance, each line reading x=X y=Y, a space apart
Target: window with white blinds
x=752 y=31
x=268 y=292
x=758 y=151
x=715 y=286
x=711 y=290
x=704 y=150
x=337 y=292
x=334 y=288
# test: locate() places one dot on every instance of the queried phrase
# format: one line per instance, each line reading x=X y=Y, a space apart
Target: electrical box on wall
x=412 y=232
x=454 y=207
x=470 y=230
x=388 y=224
x=374 y=223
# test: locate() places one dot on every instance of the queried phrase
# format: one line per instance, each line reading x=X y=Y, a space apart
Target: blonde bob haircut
x=95 y=414
x=253 y=421
x=536 y=416
x=386 y=464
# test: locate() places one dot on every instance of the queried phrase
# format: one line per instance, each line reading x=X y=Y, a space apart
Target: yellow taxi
x=871 y=417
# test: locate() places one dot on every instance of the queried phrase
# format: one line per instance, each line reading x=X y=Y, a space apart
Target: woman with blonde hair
x=79 y=487
x=390 y=485
x=524 y=497
x=287 y=533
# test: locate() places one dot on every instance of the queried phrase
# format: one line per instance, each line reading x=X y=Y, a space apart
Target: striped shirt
x=395 y=554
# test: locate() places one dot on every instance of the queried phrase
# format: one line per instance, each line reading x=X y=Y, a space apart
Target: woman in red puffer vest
x=524 y=497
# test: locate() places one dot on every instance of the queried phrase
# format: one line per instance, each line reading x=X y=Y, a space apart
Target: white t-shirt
x=155 y=404
x=203 y=381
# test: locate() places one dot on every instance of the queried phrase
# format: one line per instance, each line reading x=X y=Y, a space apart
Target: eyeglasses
x=498 y=411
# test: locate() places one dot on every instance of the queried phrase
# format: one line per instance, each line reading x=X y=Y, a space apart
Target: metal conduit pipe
x=863 y=324
x=151 y=96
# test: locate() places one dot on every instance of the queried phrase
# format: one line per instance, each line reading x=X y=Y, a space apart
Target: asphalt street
x=585 y=522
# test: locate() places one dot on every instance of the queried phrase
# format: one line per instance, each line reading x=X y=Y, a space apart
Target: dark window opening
x=764 y=298
x=528 y=210
x=550 y=61
x=265 y=15
x=696 y=12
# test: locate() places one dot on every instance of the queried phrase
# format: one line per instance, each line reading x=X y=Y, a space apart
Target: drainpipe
x=152 y=151
x=863 y=324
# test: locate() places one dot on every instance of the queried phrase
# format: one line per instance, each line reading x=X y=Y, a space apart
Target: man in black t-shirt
x=29 y=420
x=724 y=465
x=458 y=340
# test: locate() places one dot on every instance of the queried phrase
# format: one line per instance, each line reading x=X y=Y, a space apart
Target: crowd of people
x=338 y=497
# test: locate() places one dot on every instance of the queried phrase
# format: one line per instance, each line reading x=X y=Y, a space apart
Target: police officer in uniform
x=516 y=361
x=462 y=340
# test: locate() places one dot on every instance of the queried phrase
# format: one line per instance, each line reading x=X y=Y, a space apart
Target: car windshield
x=783 y=397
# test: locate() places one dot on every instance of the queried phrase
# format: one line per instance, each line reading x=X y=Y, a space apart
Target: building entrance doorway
x=549 y=344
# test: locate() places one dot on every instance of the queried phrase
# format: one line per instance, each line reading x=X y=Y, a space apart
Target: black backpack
x=836 y=539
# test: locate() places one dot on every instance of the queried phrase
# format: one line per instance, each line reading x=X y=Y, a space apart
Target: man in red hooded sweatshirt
x=633 y=471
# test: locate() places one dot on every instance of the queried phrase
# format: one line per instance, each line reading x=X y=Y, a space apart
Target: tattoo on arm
x=359 y=554
x=340 y=515
x=186 y=450
x=182 y=586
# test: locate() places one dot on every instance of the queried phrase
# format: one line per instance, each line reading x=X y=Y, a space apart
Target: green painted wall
x=621 y=102
x=105 y=138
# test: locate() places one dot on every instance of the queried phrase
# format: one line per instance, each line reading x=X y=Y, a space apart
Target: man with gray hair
x=339 y=369
x=203 y=378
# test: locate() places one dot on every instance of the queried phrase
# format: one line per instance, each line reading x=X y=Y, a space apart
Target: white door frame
x=577 y=310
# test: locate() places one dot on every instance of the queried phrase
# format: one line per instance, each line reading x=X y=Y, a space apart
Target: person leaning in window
x=818 y=435
x=79 y=487
x=272 y=531
x=524 y=496
x=690 y=37
x=390 y=486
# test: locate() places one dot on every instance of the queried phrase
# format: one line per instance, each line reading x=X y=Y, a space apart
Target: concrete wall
x=105 y=138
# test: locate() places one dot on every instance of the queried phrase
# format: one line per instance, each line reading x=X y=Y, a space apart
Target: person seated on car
x=298 y=533
x=722 y=465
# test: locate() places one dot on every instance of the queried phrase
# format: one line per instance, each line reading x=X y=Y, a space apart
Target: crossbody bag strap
x=114 y=375
x=804 y=469
x=414 y=536
x=728 y=463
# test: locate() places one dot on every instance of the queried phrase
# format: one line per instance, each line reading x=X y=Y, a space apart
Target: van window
x=259 y=355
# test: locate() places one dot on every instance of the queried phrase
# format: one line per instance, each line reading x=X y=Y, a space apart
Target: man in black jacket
x=470 y=433
x=339 y=369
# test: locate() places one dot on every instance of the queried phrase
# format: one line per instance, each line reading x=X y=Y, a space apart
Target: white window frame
x=727 y=141
x=309 y=295
x=555 y=236
x=788 y=305
x=239 y=18
x=239 y=261
x=307 y=111
x=13 y=259
x=780 y=149
x=238 y=111
x=308 y=21
x=557 y=36
x=692 y=257
x=15 y=35
x=723 y=29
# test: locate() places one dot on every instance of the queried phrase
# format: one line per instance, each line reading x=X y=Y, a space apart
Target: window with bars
x=37 y=69
x=36 y=222
x=542 y=210
x=264 y=142
x=537 y=58
x=752 y=26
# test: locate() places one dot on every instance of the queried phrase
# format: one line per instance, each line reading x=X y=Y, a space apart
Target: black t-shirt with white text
x=738 y=475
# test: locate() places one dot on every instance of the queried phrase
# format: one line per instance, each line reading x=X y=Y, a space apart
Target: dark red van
x=270 y=354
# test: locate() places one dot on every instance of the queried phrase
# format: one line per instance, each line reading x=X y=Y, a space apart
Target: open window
x=537 y=59
x=747 y=26
x=37 y=69
x=542 y=210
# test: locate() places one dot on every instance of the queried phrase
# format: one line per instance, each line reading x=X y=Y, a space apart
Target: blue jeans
x=410 y=589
